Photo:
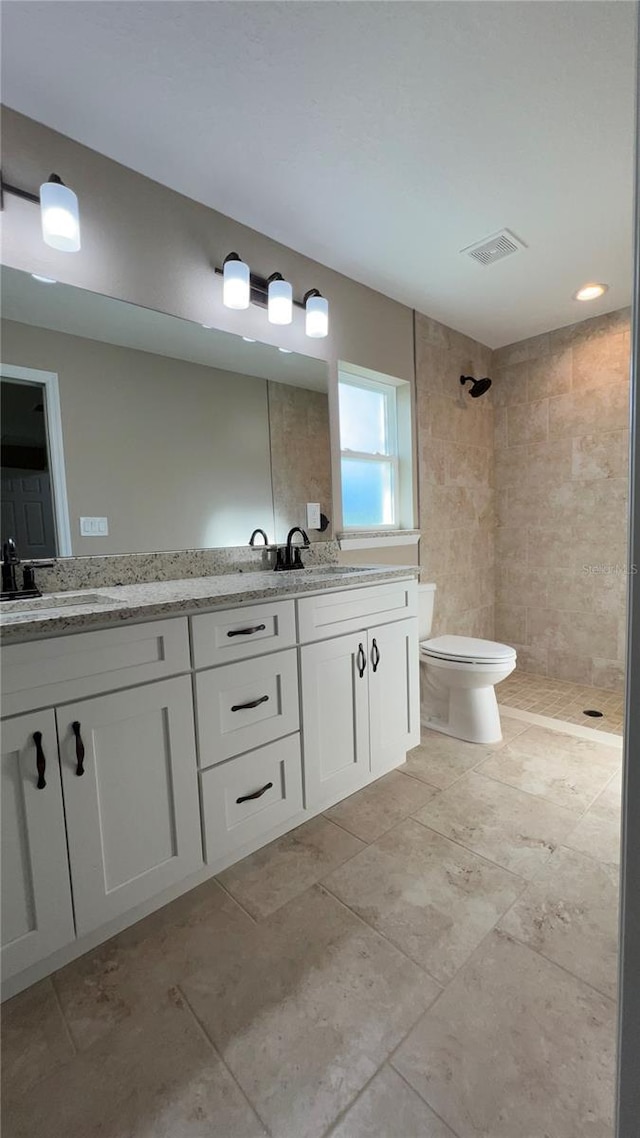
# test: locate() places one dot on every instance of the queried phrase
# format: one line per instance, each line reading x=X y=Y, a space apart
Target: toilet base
x=473 y=716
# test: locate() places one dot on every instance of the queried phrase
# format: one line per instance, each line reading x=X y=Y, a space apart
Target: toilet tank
x=426 y=598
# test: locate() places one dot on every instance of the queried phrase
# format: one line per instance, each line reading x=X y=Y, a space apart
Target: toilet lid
x=467 y=649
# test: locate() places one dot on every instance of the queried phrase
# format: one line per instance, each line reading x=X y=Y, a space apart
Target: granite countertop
x=57 y=613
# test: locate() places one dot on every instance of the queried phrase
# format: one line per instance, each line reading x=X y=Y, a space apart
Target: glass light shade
x=60 y=217
x=317 y=317
x=280 y=302
x=236 y=288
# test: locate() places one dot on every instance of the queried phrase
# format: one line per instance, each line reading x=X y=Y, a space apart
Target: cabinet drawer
x=47 y=672
x=235 y=634
x=241 y=706
x=333 y=614
x=248 y=796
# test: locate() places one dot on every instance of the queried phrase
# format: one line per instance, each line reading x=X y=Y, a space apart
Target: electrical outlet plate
x=313 y=515
x=94 y=527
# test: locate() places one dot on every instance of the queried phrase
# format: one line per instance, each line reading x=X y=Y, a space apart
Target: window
x=369 y=453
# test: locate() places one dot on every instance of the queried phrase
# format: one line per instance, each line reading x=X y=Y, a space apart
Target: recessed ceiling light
x=43 y=280
x=590 y=291
x=248 y=340
x=286 y=351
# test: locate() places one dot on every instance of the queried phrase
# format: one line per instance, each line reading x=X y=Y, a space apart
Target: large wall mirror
x=166 y=434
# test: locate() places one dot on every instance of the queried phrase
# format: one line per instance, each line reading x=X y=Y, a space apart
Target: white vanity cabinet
x=37 y=916
x=174 y=747
x=360 y=693
x=133 y=822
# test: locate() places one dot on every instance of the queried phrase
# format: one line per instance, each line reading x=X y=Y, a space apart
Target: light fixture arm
x=26 y=195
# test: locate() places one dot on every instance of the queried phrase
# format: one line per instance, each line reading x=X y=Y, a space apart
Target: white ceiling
x=378 y=138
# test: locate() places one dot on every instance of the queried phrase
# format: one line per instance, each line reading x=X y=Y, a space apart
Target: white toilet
x=458 y=675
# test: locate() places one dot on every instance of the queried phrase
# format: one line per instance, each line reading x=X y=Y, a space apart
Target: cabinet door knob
x=247 y=631
x=256 y=794
x=375 y=655
x=252 y=703
x=362 y=661
x=75 y=727
x=41 y=762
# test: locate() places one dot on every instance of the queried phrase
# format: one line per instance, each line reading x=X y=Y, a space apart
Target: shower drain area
x=594 y=707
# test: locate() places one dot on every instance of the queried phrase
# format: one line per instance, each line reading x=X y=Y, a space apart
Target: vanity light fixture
x=241 y=287
x=236 y=287
x=59 y=212
x=279 y=300
x=60 y=215
x=590 y=291
x=317 y=314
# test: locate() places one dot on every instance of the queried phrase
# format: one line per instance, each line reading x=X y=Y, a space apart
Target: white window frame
x=48 y=382
x=392 y=457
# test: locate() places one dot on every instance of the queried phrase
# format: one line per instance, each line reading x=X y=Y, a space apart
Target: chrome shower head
x=478 y=386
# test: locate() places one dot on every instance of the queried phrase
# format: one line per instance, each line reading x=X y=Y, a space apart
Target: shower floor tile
x=561 y=700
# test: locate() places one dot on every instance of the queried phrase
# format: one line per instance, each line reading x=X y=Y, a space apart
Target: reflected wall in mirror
x=181 y=437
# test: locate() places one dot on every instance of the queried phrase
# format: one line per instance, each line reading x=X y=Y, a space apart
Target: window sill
x=377 y=539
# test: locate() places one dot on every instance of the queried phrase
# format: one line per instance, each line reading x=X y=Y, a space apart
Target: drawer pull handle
x=256 y=794
x=247 y=631
x=362 y=661
x=41 y=762
x=375 y=656
x=248 y=706
x=75 y=727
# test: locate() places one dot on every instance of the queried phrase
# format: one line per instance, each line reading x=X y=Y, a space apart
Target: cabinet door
x=133 y=818
x=394 y=693
x=335 y=714
x=37 y=917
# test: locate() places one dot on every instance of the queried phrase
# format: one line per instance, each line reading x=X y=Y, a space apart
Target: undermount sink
x=53 y=602
x=333 y=570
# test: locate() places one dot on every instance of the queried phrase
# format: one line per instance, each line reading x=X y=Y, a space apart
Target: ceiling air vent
x=492 y=249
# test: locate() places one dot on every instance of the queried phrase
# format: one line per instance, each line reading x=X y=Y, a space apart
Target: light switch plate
x=94 y=527
x=313 y=515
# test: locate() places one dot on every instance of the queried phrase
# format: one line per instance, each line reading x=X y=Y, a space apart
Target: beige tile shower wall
x=561 y=448
x=456 y=474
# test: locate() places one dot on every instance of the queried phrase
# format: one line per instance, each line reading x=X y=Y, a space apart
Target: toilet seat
x=467 y=650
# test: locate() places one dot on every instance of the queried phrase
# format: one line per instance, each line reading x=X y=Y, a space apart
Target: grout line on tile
x=585 y=853
x=538 y=797
x=386 y=939
x=67 y=1028
x=474 y=853
x=235 y=900
x=211 y=1044
x=425 y=1101
x=562 y=967
x=339 y=1117
x=341 y=825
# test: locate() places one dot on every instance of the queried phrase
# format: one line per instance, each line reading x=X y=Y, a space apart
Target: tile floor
x=543 y=695
x=433 y=958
